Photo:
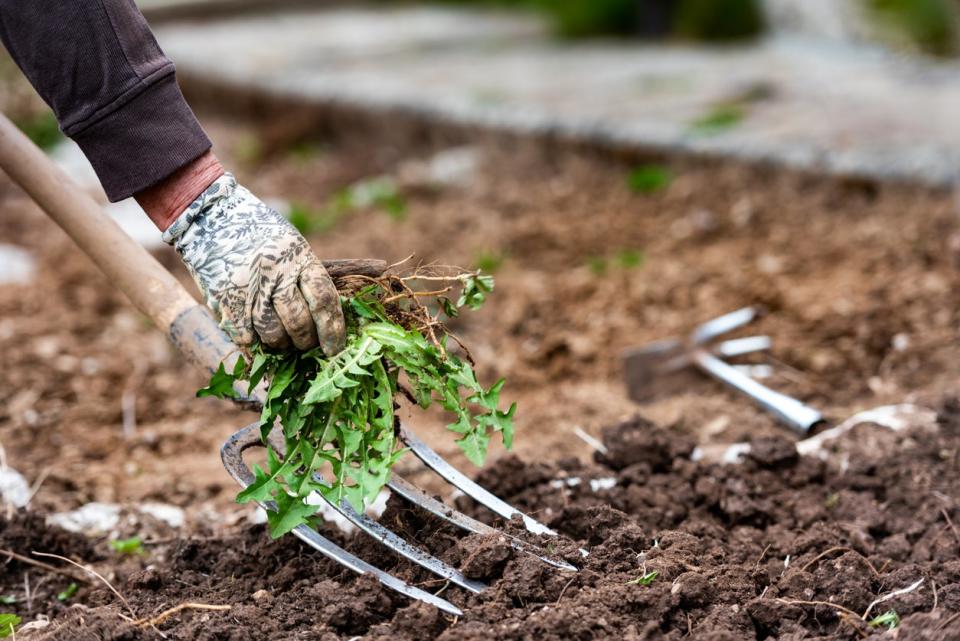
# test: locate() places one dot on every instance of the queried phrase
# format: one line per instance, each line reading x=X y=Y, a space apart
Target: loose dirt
x=778 y=547
x=860 y=282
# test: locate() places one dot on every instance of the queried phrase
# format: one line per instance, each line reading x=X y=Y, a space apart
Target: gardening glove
x=256 y=271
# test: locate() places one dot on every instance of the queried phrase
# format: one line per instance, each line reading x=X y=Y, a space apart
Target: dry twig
x=564 y=590
x=907 y=590
x=953 y=527
x=163 y=616
x=838 y=608
x=843 y=549
x=96 y=574
x=10 y=554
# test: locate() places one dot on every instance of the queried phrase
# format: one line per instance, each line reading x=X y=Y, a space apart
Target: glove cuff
x=222 y=187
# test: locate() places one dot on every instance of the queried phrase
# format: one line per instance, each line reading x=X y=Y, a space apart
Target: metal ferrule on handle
x=788 y=410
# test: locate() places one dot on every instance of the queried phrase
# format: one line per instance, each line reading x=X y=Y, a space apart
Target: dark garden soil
x=777 y=547
x=862 y=288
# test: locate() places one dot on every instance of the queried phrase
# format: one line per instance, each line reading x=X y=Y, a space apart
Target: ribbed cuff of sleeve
x=143 y=141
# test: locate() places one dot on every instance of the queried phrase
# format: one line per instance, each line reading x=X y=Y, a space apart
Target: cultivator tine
x=723 y=324
x=459 y=480
x=399 y=545
x=334 y=552
x=232 y=455
x=418 y=497
x=741 y=346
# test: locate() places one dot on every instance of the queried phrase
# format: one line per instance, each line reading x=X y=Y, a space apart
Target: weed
x=890 y=619
x=832 y=501
x=68 y=592
x=338 y=413
x=629 y=258
x=649 y=179
x=8 y=624
x=130 y=546
x=8 y=599
x=644 y=579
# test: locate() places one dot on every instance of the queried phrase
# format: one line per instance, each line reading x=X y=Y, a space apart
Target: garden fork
x=195 y=333
x=653 y=368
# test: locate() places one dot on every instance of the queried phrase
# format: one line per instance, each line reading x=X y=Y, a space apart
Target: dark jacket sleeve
x=98 y=66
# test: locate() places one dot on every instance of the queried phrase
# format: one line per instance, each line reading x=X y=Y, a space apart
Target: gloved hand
x=256 y=271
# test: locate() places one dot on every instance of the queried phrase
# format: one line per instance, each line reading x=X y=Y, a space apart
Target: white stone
x=17 y=265
x=14 y=489
x=92 y=518
x=169 y=514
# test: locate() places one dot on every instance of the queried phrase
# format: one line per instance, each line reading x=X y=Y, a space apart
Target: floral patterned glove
x=256 y=271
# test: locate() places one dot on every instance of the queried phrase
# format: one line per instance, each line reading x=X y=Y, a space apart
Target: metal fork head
x=232 y=455
x=662 y=367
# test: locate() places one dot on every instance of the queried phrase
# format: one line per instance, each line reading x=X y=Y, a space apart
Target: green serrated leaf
x=474 y=445
x=8 y=624
x=342 y=371
x=291 y=511
x=337 y=415
x=258 y=369
x=448 y=307
x=221 y=383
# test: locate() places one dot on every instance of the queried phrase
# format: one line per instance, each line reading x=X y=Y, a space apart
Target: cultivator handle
x=151 y=288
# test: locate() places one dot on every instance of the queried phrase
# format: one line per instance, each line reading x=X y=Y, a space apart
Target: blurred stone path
x=795 y=99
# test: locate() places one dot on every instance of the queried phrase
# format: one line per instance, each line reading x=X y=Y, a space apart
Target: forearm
x=167 y=199
x=98 y=66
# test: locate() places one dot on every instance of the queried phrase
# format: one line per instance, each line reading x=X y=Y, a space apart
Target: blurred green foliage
x=581 y=18
x=931 y=26
x=625 y=259
x=490 y=261
x=649 y=179
x=629 y=258
x=721 y=117
x=380 y=194
x=719 y=20
x=693 y=19
x=41 y=128
x=311 y=221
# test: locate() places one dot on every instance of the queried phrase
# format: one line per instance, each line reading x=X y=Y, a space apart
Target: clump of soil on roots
x=777 y=547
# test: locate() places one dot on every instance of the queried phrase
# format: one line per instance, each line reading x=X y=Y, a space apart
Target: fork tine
x=743 y=346
x=400 y=545
x=334 y=552
x=723 y=324
x=232 y=456
x=418 y=497
x=459 y=480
